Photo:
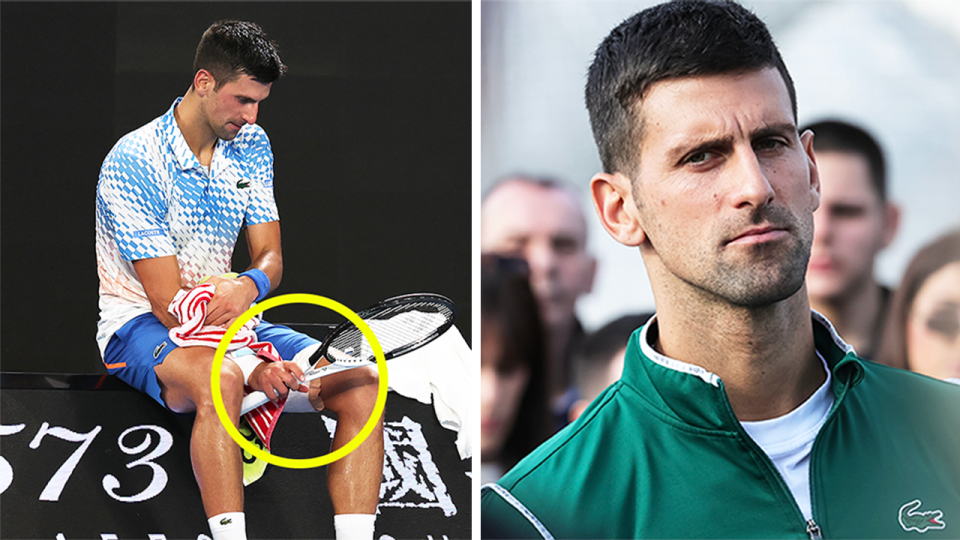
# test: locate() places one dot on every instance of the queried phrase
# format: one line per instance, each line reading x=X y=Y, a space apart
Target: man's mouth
x=820 y=264
x=758 y=235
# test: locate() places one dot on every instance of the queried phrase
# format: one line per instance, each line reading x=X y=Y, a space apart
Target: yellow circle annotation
x=293 y=463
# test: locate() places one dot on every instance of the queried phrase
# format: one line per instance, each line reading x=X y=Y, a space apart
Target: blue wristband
x=260 y=280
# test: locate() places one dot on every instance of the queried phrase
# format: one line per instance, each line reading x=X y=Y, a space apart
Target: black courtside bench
x=86 y=456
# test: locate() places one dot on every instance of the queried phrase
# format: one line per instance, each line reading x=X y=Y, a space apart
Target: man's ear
x=203 y=82
x=613 y=200
x=891 y=222
x=590 y=274
x=806 y=141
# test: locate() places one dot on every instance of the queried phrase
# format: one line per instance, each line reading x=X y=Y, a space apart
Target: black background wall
x=370 y=130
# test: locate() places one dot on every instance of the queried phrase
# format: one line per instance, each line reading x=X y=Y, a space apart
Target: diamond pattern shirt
x=155 y=199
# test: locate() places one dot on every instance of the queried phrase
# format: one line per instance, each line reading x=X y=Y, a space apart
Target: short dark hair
x=840 y=136
x=682 y=38
x=229 y=48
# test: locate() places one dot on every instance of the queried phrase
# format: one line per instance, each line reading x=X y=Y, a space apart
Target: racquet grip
x=255 y=399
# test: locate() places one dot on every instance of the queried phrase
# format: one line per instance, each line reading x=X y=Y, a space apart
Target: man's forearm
x=271 y=264
x=263 y=241
x=165 y=316
x=257 y=282
x=160 y=278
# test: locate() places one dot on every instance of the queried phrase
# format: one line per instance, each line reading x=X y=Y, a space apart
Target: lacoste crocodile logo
x=911 y=520
x=159 y=349
x=226 y=521
x=243 y=184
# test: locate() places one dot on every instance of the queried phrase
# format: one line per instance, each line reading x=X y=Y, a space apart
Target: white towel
x=441 y=371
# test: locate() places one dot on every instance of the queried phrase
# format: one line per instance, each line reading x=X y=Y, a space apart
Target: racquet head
x=401 y=324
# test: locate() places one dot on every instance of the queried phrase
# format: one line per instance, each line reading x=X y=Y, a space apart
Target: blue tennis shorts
x=144 y=342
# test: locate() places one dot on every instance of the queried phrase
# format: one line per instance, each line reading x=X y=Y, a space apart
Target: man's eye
x=847 y=211
x=768 y=144
x=565 y=245
x=699 y=157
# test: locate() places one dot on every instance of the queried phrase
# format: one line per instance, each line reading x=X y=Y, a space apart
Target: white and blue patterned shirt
x=155 y=199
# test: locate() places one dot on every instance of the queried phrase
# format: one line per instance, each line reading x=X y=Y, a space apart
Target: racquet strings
x=396 y=328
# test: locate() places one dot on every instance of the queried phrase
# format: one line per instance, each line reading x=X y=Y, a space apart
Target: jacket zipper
x=813 y=530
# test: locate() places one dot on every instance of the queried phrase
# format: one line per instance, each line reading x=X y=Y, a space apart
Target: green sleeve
x=502 y=516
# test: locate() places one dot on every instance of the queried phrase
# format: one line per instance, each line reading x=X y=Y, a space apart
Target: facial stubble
x=743 y=275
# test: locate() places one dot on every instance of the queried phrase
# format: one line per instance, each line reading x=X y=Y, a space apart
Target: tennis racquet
x=402 y=324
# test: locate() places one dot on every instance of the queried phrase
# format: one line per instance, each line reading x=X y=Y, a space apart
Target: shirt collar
x=171 y=133
x=696 y=396
x=184 y=156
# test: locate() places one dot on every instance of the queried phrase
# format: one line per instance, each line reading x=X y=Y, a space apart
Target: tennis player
x=740 y=413
x=172 y=199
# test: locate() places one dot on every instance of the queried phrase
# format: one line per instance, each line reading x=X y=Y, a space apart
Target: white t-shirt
x=787 y=440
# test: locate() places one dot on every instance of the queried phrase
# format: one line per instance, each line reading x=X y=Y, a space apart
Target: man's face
x=234 y=105
x=502 y=384
x=850 y=227
x=545 y=227
x=725 y=188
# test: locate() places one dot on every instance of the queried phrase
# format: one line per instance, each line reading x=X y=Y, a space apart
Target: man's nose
x=541 y=257
x=752 y=187
x=249 y=113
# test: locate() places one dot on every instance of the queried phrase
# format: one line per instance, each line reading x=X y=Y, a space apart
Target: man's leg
x=184 y=377
x=354 y=481
x=141 y=354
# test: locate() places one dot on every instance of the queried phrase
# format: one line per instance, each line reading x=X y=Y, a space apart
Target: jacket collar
x=692 y=395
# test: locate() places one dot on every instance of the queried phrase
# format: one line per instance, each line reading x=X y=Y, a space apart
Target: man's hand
x=276 y=379
x=230 y=300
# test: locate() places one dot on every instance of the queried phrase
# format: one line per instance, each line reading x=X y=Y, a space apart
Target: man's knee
x=355 y=391
x=365 y=384
x=232 y=371
x=187 y=371
x=368 y=377
x=231 y=382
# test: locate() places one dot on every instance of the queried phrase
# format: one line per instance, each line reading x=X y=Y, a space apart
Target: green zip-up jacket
x=660 y=454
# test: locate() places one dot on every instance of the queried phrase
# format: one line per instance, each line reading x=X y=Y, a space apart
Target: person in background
x=515 y=415
x=599 y=361
x=922 y=333
x=854 y=223
x=541 y=221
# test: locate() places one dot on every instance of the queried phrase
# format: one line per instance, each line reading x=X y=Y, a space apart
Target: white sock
x=228 y=526
x=354 y=526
